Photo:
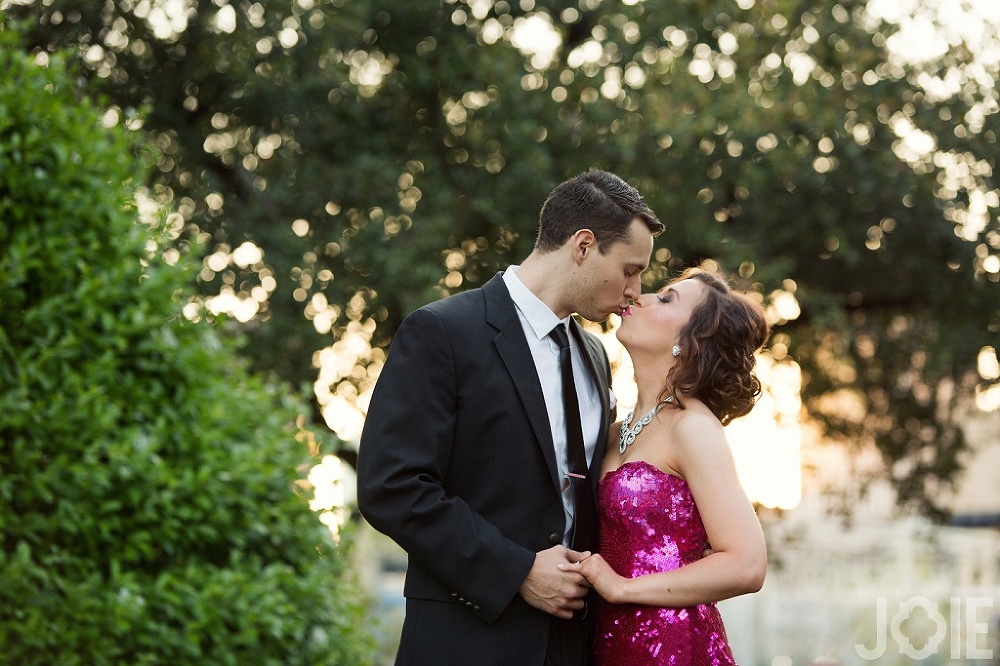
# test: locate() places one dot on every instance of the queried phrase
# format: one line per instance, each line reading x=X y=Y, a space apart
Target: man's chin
x=597 y=317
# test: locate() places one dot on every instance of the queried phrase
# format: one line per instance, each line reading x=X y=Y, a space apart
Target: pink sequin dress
x=649 y=523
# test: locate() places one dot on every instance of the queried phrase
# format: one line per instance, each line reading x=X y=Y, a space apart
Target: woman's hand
x=601 y=577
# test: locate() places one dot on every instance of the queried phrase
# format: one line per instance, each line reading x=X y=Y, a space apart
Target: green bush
x=147 y=505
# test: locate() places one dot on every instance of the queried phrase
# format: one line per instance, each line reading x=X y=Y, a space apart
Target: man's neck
x=541 y=274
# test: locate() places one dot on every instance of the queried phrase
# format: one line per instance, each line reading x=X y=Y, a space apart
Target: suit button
x=555 y=539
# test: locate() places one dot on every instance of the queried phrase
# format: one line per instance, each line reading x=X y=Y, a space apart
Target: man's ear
x=583 y=242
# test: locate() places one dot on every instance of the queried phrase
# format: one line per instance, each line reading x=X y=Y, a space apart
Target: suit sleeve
x=406 y=445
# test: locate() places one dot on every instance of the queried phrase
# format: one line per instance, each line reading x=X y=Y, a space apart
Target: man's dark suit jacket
x=457 y=465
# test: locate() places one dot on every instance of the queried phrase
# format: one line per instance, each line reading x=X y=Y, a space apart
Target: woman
x=669 y=489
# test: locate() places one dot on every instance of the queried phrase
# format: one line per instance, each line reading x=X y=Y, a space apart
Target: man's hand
x=551 y=589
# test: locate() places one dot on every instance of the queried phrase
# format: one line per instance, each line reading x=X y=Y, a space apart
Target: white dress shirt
x=538 y=321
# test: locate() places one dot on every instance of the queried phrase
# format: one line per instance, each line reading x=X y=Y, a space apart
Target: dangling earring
x=676 y=351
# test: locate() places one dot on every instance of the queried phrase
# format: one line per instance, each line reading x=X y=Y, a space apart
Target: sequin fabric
x=649 y=523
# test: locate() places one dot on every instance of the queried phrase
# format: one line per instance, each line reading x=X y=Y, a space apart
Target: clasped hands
x=560 y=578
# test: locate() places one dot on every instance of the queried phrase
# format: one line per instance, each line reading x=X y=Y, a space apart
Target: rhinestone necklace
x=628 y=433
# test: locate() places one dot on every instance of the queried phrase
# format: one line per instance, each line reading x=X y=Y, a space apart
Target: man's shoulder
x=470 y=300
x=454 y=312
x=463 y=301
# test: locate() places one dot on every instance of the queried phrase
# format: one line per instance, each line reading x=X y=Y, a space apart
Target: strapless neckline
x=642 y=463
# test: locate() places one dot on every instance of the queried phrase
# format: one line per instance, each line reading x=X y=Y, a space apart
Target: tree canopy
x=346 y=162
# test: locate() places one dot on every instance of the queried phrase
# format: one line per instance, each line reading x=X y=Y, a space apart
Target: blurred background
x=314 y=170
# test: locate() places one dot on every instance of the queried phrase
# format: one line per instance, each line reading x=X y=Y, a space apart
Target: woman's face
x=654 y=323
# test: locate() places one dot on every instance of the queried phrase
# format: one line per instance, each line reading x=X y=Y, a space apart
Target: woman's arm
x=699 y=450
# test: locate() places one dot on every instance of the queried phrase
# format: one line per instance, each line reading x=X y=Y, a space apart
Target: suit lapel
x=596 y=361
x=513 y=349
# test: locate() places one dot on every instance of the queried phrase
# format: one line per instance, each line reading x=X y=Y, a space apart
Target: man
x=464 y=455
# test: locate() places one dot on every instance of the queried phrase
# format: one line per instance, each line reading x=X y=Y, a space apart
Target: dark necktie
x=585 y=515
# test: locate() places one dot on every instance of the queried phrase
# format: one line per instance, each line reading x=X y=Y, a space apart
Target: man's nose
x=633 y=288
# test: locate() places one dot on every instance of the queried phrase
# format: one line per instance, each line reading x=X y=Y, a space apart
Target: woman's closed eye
x=668 y=295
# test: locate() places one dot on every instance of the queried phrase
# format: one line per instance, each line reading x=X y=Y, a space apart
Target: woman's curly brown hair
x=716 y=364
